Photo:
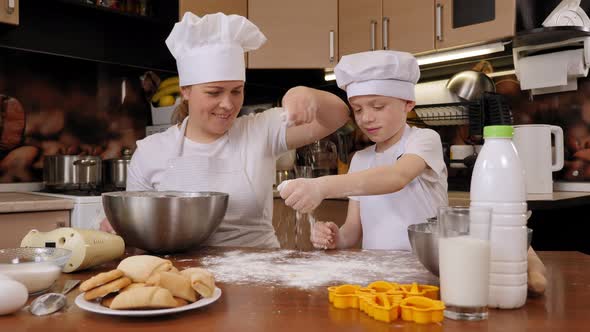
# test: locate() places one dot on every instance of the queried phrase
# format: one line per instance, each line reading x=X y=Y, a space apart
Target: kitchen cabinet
x=202 y=7
x=301 y=34
x=463 y=22
x=386 y=24
x=422 y=26
x=16 y=225
x=9 y=12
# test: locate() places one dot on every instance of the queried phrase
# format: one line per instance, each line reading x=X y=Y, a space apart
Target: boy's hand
x=300 y=107
x=325 y=235
x=303 y=194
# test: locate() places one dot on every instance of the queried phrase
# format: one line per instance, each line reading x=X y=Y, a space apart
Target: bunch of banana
x=168 y=91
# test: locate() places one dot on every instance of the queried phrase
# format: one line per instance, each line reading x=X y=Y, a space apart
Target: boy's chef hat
x=384 y=73
x=211 y=48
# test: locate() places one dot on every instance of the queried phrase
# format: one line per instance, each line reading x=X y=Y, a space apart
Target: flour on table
x=316 y=268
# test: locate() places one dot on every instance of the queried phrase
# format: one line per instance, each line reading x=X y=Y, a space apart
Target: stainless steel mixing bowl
x=164 y=221
x=424 y=242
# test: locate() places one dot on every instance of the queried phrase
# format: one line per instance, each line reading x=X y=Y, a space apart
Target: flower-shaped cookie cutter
x=414 y=289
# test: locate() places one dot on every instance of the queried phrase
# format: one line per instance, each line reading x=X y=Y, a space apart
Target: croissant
x=140 y=268
x=144 y=298
x=202 y=280
x=178 y=285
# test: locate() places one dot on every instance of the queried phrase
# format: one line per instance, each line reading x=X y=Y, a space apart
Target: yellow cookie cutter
x=344 y=296
x=422 y=310
x=414 y=289
x=380 y=308
x=382 y=286
x=387 y=301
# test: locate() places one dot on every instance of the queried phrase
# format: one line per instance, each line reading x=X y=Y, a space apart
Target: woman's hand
x=300 y=106
x=303 y=194
x=325 y=235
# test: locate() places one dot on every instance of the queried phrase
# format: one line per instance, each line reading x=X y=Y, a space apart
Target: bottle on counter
x=498 y=182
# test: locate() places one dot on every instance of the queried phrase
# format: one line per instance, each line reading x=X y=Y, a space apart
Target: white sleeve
x=270 y=127
x=136 y=181
x=426 y=144
x=358 y=163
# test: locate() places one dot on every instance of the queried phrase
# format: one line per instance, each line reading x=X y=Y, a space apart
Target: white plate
x=93 y=306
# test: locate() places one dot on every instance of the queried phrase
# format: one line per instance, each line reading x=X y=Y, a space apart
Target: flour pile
x=316 y=268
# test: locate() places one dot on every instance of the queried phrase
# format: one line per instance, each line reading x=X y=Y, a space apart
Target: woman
x=213 y=150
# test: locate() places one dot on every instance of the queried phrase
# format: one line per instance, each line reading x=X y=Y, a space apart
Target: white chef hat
x=384 y=73
x=211 y=48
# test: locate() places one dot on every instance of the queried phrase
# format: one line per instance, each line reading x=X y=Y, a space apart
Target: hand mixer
x=89 y=247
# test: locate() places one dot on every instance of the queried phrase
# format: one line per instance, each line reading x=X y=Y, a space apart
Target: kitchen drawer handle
x=331 y=45
x=10 y=6
x=439 y=9
x=385 y=33
x=373 y=32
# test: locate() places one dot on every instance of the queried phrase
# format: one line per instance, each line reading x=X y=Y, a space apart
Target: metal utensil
x=49 y=303
x=470 y=84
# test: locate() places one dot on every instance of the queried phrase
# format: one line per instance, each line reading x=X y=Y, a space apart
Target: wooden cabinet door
x=15 y=226
x=359 y=26
x=301 y=34
x=202 y=7
x=464 y=22
x=9 y=11
x=408 y=25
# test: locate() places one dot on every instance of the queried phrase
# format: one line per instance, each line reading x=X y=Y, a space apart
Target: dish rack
x=490 y=109
x=447 y=114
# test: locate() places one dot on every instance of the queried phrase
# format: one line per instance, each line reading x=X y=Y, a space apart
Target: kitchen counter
x=557 y=199
x=256 y=307
x=11 y=202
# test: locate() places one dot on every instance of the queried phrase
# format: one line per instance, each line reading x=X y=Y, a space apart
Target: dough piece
x=178 y=285
x=111 y=287
x=133 y=285
x=139 y=268
x=100 y=279
x=107 y=300
x=144 y=298
x=180 y=302
x=202 y=280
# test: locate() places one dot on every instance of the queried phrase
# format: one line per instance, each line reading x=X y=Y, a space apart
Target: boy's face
x=381 y=118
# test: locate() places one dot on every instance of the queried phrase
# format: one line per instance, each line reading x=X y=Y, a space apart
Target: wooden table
x=564 y=307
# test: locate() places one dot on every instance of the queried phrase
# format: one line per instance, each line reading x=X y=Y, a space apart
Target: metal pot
x=66 y=172
x=115 y=170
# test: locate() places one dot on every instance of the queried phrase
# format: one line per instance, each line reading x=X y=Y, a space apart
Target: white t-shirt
x=385 y=218
x=261 y=138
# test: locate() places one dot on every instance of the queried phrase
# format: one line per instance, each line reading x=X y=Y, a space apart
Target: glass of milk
x=464 y=261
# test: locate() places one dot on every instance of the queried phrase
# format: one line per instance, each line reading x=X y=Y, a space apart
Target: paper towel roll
x=552 y=69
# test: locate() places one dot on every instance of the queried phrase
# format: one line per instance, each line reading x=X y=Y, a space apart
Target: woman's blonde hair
x=180 y=112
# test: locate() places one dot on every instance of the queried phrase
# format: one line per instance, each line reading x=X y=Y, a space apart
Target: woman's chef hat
x=211 y=48
x=384 y=73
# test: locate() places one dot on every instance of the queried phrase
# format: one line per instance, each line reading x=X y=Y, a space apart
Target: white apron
x=243 y=224
x=385 y=218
